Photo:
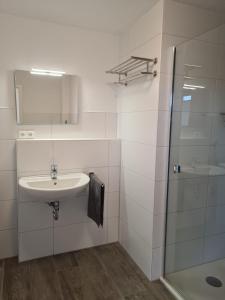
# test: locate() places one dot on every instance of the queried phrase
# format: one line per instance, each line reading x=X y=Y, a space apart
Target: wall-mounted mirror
x=46 y=97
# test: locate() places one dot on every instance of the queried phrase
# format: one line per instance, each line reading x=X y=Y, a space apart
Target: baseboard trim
x=171 y=289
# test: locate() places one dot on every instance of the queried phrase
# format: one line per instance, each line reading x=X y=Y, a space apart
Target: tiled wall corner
x=138 y=122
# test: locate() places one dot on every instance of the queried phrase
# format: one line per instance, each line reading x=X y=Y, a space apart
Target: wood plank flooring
x=99 y=273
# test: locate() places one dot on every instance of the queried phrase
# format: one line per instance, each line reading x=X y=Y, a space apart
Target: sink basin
x=47 y=189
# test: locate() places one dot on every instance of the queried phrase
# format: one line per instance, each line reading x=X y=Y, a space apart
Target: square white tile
x=185 y=226
x=8 y=242
x=34 y=155
x=114 y=179
x=113 y=204
x=114 y=152
x=78 y=236
x=80 y=154
x=112 y=229
x=184 y=255
x=8 y=185
x=34 y=216
x=8 y=155
x=8 y=214
x=35 y=244
x=7 y=123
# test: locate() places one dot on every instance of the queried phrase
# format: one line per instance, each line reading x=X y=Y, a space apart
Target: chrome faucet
x=54 y=171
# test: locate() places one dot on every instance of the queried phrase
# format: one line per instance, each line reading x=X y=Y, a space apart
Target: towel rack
x=134 y=68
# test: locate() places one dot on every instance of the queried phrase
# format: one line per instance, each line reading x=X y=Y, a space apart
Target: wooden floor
x=99 y=273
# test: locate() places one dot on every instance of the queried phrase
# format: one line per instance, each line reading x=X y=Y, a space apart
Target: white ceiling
x=217 y=5
x=112 y=16
x=103 y=15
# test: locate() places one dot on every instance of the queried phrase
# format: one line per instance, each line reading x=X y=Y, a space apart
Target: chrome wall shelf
x=134 y=68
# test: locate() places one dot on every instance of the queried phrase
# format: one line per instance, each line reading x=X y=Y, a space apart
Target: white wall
x=138 y=119
x=73 y=230
x=144 y=119
x=26 y=43
x=143 y=112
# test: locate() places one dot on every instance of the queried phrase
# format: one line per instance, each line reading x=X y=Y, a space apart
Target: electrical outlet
x=26 y=134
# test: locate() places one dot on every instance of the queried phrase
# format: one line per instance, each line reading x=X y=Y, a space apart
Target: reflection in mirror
x=46 y=97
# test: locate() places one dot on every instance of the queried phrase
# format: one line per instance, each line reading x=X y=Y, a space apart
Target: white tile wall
x=202 y=100
x=78 y=236
x=135 y=246
x=161 y=163
x=132 y=125
x=136 y=217
x=194 y=56
x=80 y=154
x=74 y=230
x=138 y=126
x=143 y=126
x=194 y=230
x=215 y=221
x=187 y=194
x=112 y=229
x=111 y=125
x=73 y=211
x=113 y=204
x=7 y=97
x=114 y=153
x=177 y=18
x=7 y=124
x=34 y=216
x=34 y=244
x=27 y=153
x=144 y=121
x=185 y=226
x=114 y=179
x=8 y=155
x=8 y=185
x=216 y=191
x=137 y=35
x=8 y=242
x=97 y=103
x=130 y=98
x=159 y=197
x=158 y=230
x=141 y=189
x=157 y=263
x=214 y=247
x=192 y=251
x=191 y=128
x=8 y=205
x=218 y=130
x=139 y=158
x=89 y=125
x=8 y=214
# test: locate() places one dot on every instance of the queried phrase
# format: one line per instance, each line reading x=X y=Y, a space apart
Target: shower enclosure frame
x=163 y=279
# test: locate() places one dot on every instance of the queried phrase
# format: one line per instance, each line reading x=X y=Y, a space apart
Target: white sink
x=44 y=188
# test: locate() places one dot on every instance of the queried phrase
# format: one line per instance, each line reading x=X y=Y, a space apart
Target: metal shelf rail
x=134 y=68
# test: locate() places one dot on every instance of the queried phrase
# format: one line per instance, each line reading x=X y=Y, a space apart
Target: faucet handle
x=54 y=167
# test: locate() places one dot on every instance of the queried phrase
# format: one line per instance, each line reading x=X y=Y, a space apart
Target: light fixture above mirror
x=35 y=71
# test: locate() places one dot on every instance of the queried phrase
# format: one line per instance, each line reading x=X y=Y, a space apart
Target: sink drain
x=213 y=281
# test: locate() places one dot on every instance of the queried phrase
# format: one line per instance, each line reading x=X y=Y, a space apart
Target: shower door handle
x=176 y=169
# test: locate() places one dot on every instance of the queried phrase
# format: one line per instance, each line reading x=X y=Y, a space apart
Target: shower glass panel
x=195 y=230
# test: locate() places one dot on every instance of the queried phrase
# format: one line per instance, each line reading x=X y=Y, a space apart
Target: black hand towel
x=96 y=199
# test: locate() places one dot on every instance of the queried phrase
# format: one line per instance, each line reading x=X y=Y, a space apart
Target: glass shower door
x=195 y=231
